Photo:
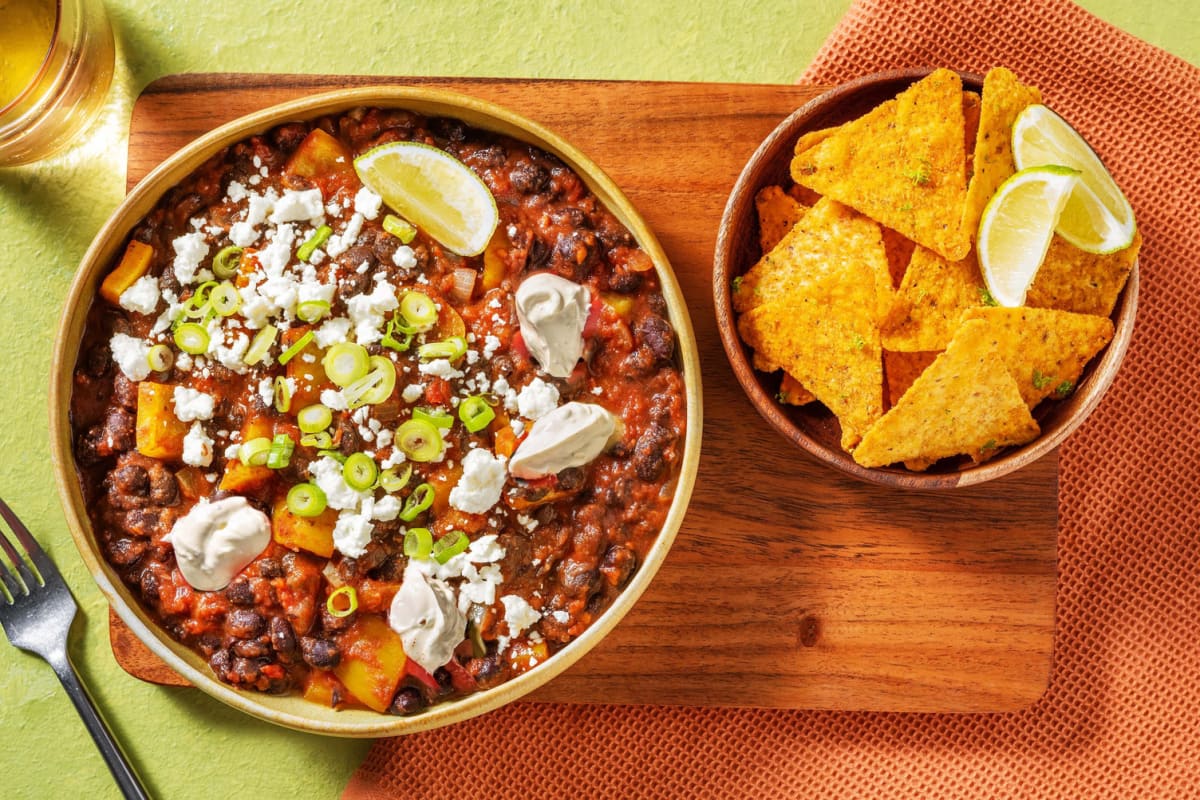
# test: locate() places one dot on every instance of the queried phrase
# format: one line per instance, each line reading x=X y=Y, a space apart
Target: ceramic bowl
x=813 y=428
x=293 y=711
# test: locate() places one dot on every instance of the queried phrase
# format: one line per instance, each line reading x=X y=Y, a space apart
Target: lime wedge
x=1097 y=217
x=1016 y=226
x=433 y=190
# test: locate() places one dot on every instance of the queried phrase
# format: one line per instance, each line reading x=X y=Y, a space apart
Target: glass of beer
x=56 y=64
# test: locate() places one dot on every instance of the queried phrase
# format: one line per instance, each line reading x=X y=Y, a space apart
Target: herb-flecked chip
x=902 y=164
x=1042 y=348
x=793 y=393
x=926 y=310
x=964 y=402
x=778 y=212
x=827 y=338
x=900 y=370
x=1072 y=280
x=1004 y=97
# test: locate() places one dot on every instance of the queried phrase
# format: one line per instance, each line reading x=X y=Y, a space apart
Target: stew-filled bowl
x=374 y=411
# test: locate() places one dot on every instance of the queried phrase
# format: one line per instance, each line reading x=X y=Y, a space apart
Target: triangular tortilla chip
x=902 y=164
x=964 y=402
x=793 y=393
x=1044 y=350
x=899 y=251
x=926 y=310
x=901 y=369
x=1004 y=97
x=825 y=335
x=830 y=239
x=1072 y=280
x=778 y=212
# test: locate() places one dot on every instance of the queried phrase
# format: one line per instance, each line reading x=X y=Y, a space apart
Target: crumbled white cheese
x=236 y=192
x=243 y=234
x=190 y=249
x=404 y=257
x=191 y=404
x=333 y=331
x=367 y=311
x=439 y=367
x=232 y=354
x=537 y=399
x=197 y=447
x=305 y=206
x=339 y=243
x=334 y=399
x=518 y=614
x=275 y=257
x=130 y=354
x=327 y=474
x=561 y=617
x=387 y=508
x=481 y=483
x=142 y=296
x=367 y=203
x=412 y=392
x=352 y=533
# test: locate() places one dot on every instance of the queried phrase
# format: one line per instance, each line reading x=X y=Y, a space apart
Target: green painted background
x=186 y=744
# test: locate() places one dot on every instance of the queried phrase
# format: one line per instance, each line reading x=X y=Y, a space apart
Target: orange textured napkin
x=1122 y=715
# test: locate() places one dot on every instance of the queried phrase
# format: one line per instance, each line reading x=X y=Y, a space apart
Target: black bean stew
x=181 y=403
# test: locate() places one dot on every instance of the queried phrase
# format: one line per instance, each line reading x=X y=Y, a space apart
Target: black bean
x=484 y=670
x=242 y=623
x=538 y=255
x=658 y=335
x=148 y=582
x=407 y=701
x=529 y=178
x=240 y=593
x=319 y=653
x=493 y=155
x=118 y=431
x=208 y=645
x=221 y=662
x=442 y=676
x=125 y=391
x=625 y=281
x=288 y=137
x=252 y=648
x=570 y=479
x=283 y=638
x=618 y=565
x=577 y=577
x=649 y=456
x=270 y=568
x=448 y=129
x=331 y=623
x=124 y=552
x=245 y=672
x=574 y=254
x=131 y=482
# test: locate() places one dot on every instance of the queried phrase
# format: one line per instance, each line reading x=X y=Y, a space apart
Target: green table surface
x=185 y=744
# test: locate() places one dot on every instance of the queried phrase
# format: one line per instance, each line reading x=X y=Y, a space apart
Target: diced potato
x=322 y=688
x=319 y=156
x=506 y=442
x=193 y=484
x=621 y=304
x=372 y=662
x=526 y=655
x=159 y=433
x=240 y=478
x=494 y=267
x=314 y=534
x=448 y=324
x=133 y=265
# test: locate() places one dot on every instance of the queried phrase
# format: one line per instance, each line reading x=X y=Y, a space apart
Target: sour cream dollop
x=569 y=436
x=425 y=614
x=552 y=312
x=215 y=541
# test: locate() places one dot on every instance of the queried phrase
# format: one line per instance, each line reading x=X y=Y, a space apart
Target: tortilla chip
x=793 y=393
x=830 y=239
x=825 y=336
x=902 y=164
x=929 y=304
x=901 y=369
x=899 y=250
x=1004 y=97
x=778 y=212
x=1044 y=350
x=1072 y=280
x=971 y=105
x=964 y=402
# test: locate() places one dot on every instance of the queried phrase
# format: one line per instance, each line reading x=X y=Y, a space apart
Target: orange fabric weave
x=1121 y=717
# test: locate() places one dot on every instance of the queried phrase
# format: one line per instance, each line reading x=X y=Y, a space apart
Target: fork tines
x=25 y=579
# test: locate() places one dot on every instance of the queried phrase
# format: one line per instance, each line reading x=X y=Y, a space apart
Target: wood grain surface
x=789 y=585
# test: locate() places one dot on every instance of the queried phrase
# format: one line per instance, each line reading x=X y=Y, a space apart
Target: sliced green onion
x=418 y=310
x=192 y=337
x=312 y=310
x=225 y=299
x=313 y=242
x=389 y=337
x=260 y=345
x=255 y=452
x=336 y=455
x=226 y=261
x=160 y=358
x=419 y=439
x=391 y=483
x=374 y=387
x=346 y=362
x=438 y=418
x=320 y=440
x=402 y=229
x=283 y=394
x=452 y=348
x=418 y=543
x=316 y=417
x=351 y=596
x=420 y=499
x=294 y=350
x=475 y=413
x=449 y=546
x=280 y=454
x=360 y=471
x=306 y=500
x=197 y=306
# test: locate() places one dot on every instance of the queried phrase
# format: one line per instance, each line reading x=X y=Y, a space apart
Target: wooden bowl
x=293 y=711
x=813 y=428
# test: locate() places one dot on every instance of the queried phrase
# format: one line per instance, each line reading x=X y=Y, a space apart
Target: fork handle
x=118 y=764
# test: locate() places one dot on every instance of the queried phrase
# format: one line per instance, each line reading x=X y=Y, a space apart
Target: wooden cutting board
x=789 y=585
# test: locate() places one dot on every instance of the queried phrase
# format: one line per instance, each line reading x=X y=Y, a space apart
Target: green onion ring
x=418 y=543
x=192 y=337
x=306 y=500
x=360 y=471
x=449 y=546
x=254 y=453
x=420 y=500
x=351 y=601
x=295 y=349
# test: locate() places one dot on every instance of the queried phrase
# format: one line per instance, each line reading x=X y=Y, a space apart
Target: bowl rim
x=288 y=711
x=1103 y=367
